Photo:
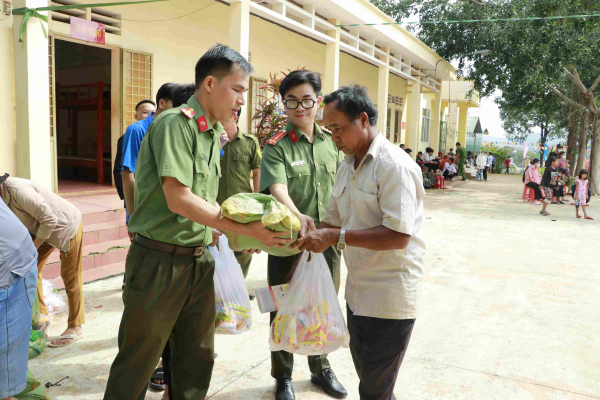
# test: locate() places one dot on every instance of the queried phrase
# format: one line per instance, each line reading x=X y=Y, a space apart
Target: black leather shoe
x=284 y=390
x=329 y=383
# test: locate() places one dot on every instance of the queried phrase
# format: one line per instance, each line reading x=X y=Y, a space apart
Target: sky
x=489 y=114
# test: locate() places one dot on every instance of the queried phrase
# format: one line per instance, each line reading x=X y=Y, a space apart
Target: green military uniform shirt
x=240 y=157
x=181 y=143
x=308 y=169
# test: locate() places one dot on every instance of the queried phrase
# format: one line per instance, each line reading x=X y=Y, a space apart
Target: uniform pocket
x=331 y=167
x=298 y=179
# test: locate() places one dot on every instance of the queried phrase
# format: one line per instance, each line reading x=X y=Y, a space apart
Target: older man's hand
x=318 y=241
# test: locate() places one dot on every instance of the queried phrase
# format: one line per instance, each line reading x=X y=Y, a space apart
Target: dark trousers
x=536 y=190
x=507 y=169
x=485 y=173
x=559 y=191
x=378 y=347
x=449 y=175
x=167 y=298
x=282 y=362
x=244 y=260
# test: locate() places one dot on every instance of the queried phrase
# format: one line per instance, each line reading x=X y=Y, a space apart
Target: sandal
x=578 y=216
x=158 y=375
x=73 y=339
x=590 y=218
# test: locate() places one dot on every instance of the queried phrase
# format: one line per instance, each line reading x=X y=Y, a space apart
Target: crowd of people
x=177 y=163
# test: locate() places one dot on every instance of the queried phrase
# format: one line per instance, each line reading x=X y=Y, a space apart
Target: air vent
x=111 y=20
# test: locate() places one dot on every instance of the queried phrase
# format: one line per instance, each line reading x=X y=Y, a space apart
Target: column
x=452 y=137
x=413 y=117
x=434 y=133
x=462 y=124
x=32 y=90
x=239 y=40
x=332 y=59
x=382 y=91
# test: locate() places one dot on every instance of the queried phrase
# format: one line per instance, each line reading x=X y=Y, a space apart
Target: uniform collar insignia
x=202 y=124
x=188 y=112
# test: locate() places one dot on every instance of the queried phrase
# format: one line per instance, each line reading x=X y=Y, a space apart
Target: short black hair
x=458 y=143
x=407 y=150
x=352 y=101
x=144 y=102
x=218 y=62
x=300 y=77
x=182 y=93
x=165 y=92
x=402 y=144
x=551 y=160
x=583 y=171
x=535 y=161
x=429 y=150
x=419 y=153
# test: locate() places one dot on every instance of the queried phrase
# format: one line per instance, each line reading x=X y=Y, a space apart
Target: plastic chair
x=528 y=194
x=440 y=182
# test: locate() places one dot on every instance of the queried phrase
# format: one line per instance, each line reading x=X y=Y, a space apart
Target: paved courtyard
x=509 y=311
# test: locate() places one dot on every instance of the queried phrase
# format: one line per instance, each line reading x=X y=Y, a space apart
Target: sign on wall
x=88 y=31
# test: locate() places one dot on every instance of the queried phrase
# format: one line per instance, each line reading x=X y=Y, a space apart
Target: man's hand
x=270 y=238
x=223 y=138
x=252 y=251
x=37 y=242
x=306 y=224
x=215 y=237
x=131 y=235
x=318 y=241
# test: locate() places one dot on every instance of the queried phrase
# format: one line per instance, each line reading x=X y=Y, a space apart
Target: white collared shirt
x=386 y=189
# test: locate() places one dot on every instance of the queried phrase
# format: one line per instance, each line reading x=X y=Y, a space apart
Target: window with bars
x=396 y=125
x=397 y=100
x=426 y=121
x=258 y=94
x=137 y=83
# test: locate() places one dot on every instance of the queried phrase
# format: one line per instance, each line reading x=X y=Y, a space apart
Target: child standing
x=580 y=194
x=549 y=183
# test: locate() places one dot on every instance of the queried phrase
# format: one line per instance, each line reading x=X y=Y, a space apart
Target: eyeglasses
x=293 y=104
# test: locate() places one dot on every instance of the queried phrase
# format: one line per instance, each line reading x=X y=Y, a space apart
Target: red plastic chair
x=528 y=194
x=440 y=182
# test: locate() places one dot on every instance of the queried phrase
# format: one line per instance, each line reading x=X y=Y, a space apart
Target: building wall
x=357 y=72
x=8 y=127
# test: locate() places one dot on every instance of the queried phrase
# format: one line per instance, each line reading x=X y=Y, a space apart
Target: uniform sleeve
x=172 y=143
x=272 y=168
x=131 y=147
x=398 y=198
x=257 y=155
x=34 y=204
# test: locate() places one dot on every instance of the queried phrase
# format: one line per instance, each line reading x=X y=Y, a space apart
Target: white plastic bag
x=310 y=321
x=54 y=301
x=234 y=314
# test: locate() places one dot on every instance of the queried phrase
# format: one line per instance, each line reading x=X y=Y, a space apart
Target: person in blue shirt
x=18 y=284
x=133 y=139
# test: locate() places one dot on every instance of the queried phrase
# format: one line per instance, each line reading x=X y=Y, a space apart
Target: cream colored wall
x=8 y=127
x=357 y=72
x=397 y=87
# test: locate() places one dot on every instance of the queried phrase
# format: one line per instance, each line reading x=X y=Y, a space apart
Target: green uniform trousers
x=282 y=362
x=167 y=297
x=461 y=170
x=244 y=261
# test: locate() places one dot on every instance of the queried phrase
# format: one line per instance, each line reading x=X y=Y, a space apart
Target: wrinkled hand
x=306 y=224
x=270 y=238
x=252 y=251
x=224 y=139
x=318 y=241
x=215 y=237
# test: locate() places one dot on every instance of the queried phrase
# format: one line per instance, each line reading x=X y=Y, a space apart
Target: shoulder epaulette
x=326 y=131
x=188 y=112
x=273 y=141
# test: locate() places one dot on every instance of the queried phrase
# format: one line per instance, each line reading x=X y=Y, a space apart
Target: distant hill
x=530 y=139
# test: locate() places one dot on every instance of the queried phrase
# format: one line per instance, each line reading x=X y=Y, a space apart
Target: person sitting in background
x=431 y=162
x=533 y=178
x=18 y=278
x=419 y=160
x=449 y=171
x=444 y=161
x=403 y=146
x=54 y=223
x=409 y=152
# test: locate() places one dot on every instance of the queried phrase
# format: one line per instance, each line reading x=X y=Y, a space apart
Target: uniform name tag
x=297 y=163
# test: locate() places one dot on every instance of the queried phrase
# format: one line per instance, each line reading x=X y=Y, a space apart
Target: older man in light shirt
x=375 y=216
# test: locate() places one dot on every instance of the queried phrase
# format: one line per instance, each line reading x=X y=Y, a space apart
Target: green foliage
x=501 y=154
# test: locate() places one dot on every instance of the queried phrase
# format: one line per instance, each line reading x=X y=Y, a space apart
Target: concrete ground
x=509 y=310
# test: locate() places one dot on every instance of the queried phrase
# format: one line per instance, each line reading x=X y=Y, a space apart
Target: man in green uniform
x=298 y=168
x=241 y=158
x=461 y=152
x=169 y=292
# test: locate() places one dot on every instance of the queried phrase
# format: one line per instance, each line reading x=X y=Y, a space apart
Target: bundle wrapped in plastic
x=249 y=207
x=310 y=321
x=233 y=314
x=53 y=299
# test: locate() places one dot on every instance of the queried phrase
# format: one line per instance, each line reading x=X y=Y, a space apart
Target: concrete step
x=94 y=256
x=104 y=232
x=94 y=274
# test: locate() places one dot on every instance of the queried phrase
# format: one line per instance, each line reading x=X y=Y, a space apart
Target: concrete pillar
x=332 y=59
x=382 y=92
x=452 y=137
x=434 y=133
x=32 y=89
x=462 y=124
x=239 y=40
x=413 y=117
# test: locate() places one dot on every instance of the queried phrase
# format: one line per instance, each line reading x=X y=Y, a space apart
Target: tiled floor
x=68 y=187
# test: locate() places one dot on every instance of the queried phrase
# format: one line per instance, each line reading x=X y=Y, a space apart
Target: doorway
x=83 y=84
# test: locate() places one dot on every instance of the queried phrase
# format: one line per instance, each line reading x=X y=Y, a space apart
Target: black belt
x=168 y=248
